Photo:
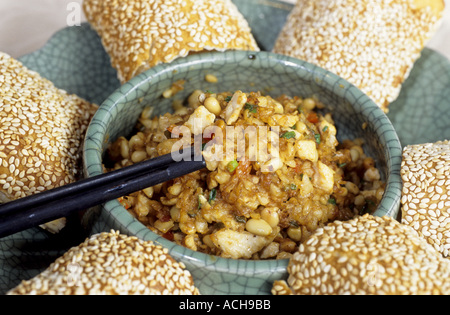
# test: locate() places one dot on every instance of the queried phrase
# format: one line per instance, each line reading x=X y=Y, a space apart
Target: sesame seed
x=113 y=264
x=426 y=213
x=142 y=34
x=372 y=44
x=56 y=117
x=382 y=257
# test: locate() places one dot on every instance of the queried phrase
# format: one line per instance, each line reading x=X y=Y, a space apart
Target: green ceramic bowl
x=247 y=71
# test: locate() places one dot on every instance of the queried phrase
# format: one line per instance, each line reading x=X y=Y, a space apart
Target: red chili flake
x=169 y=236
x=313 y=118
x=165 y=218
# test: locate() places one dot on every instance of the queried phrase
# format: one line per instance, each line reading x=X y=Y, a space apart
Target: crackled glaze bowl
x=246 y=71
x=74 y=59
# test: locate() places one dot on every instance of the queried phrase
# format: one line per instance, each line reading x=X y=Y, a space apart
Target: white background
x=26 y=25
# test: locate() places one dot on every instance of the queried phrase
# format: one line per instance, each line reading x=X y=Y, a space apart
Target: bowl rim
x=92 y=155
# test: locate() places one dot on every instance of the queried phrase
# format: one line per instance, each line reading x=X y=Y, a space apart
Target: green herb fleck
x=294 y=224
x=293 y=187
x=332 y=201
x=240 y=219
x=251 y=108
x=228 y=98
x=231 y=166
x=200 y=205
x=318 y=138
x=288 y=135
x=325 y=128
x=212 y=195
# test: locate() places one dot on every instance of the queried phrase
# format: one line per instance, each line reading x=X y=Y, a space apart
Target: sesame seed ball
x=366 y=256
x=41 y=132
x=425 y=199
x=111 y=263
x=139 y=34
x=372 y=44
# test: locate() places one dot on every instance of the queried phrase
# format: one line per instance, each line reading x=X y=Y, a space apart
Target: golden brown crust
x=425 y=173
x=112 y=264
x=372 y=44
x=165 y=30
x=41 y=128
x=41 y=132
x=366 y=255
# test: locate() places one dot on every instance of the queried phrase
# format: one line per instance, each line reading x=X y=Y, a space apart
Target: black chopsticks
x=60 y=202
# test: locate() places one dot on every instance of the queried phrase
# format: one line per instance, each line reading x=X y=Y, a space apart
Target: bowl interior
x=354 y=113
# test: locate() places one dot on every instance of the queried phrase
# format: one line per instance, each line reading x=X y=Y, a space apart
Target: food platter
x=75 y=60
